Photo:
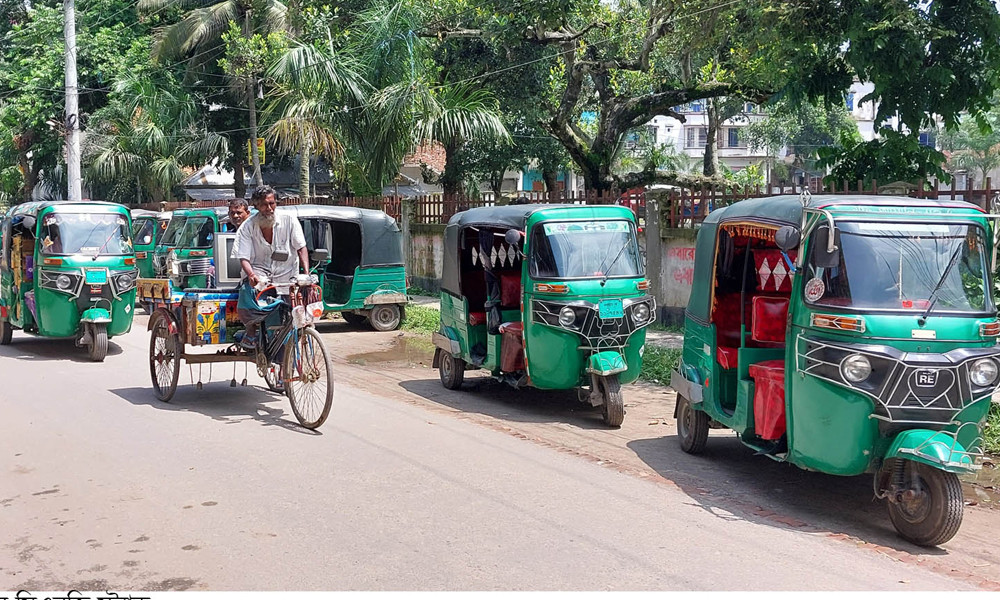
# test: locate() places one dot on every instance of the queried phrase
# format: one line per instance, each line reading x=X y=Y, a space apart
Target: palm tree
x=198 y=37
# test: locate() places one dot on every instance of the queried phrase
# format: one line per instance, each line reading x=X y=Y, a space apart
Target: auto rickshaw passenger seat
x=512 y=347
x=510 y=290
x=768 y=320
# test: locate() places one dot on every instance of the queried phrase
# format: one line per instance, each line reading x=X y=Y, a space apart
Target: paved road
x=106 y=488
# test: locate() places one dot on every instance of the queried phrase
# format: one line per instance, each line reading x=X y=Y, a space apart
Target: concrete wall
x=669 y=263
x=426 y=257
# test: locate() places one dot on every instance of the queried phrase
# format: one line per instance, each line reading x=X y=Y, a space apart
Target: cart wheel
x=164 y=360
x=6 y=332
x=98 y=347
x=272 y=376
x=929 y=512
x=692 y=427
x=451 y=370
x=308 y=375
x=385 y=317
x=354 y=318
x=613 y=408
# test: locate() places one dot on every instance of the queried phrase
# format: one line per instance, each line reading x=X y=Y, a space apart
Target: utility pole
x=74 y=193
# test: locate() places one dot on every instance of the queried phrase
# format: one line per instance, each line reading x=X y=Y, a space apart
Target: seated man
x=268 y=245
x=239 y=211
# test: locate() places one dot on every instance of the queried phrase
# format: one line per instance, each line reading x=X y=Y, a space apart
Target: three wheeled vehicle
x=189 y=259
x=847 y=334
x=67 y=271
x=364 y=278
x=148 y=227
x=551 y=296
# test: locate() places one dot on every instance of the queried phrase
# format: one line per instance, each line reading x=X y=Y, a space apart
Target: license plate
x=97 y=277
x=610 y=309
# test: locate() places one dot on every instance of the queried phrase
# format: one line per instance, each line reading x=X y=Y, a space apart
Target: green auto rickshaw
x=67 y=271
x=847 y=334
x=364 y=279
x=148 y=227
x=551 y=296
x=190 y=257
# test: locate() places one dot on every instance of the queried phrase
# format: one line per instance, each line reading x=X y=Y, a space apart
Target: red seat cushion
x=477 y=318
x=510 y=289
x=726 y=317
x=727 y=357
x=769 y=398
x=769 y=317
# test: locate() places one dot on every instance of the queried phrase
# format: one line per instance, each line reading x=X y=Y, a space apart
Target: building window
x=697 y=106
x=651 y=131
x=850 y=102
x=697 y=137
x=734 y=137
x=750 y=107
x=927 y=139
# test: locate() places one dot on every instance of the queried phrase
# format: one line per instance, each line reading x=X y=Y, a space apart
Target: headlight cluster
x=60 y=281
x=640 y=313
x=856 y=368
x=983 y=372
x=123 y=281
x=567 y=316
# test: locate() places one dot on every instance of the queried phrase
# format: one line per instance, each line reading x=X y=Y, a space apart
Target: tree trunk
x=496 y=184
x=239 y=178
x=550 y=177
x=710 y=168
x=304 y=156
x=450 y=179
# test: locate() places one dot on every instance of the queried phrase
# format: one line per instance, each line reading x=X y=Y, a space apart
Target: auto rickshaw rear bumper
x=939 y=449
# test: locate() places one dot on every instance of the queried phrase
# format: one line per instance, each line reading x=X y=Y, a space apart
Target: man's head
x=265 y=202
x=239 y=210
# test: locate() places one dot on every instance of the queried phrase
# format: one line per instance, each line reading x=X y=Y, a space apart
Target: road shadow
x=730 y=481
x=30 y=348
x=221 y=402
x=487 y=396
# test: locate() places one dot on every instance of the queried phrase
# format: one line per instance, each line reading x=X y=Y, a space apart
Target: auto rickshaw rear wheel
x=98 y=347
x=385 y=317
x=6 y=332
x=451 y=370
x=928 y=510
x=354 y=318
x=692 y=427
x=613 y=409
x=164 y=359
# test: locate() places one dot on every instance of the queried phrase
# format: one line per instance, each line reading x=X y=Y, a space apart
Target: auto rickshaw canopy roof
x=779 y=211
x=381 y=239
x=33 y=208
x=513 y=216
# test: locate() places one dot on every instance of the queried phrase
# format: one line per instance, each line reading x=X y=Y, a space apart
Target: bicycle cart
x=289 y=354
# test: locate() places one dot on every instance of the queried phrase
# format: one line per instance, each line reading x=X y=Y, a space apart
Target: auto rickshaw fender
x=445 y=341
x=608 y=362
x=686 y=382
x=938 y=449
x=95 y=315
x=162 y=313
x=385 y=297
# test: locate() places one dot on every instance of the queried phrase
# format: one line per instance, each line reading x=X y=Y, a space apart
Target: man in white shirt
x=270 y=245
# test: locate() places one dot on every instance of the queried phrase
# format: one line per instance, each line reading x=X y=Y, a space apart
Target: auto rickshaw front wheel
x=97 y=348
x=385 y=317
x=451 y=370
x=613 y=408
x=927 y=508
x=6 y=332
x=692 y=427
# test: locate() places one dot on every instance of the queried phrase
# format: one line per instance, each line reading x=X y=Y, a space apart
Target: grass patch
x=991 y=433
x=421 y=319
x=657 y=363
x=419 y=291
x=678 y=329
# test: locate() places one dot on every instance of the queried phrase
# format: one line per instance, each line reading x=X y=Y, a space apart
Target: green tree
x=974 y=144
x=892 y=156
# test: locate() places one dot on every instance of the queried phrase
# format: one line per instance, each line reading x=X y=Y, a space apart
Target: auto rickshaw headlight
x=567 y=316
x=64 y=282
x=640 y=313
x=983 y=372
x=856 y=368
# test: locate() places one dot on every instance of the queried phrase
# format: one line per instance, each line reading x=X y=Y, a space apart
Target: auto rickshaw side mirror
x=28 y=223
x=787 y=238
x=821 y=254
x=513 y=237
x=319 y=255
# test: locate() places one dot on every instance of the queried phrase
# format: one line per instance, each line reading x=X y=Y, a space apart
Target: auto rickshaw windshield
x=85 y=233
x=142 y=230
x=904 y=267
x=173 y=231
x=198 y=232
x=584 y=249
